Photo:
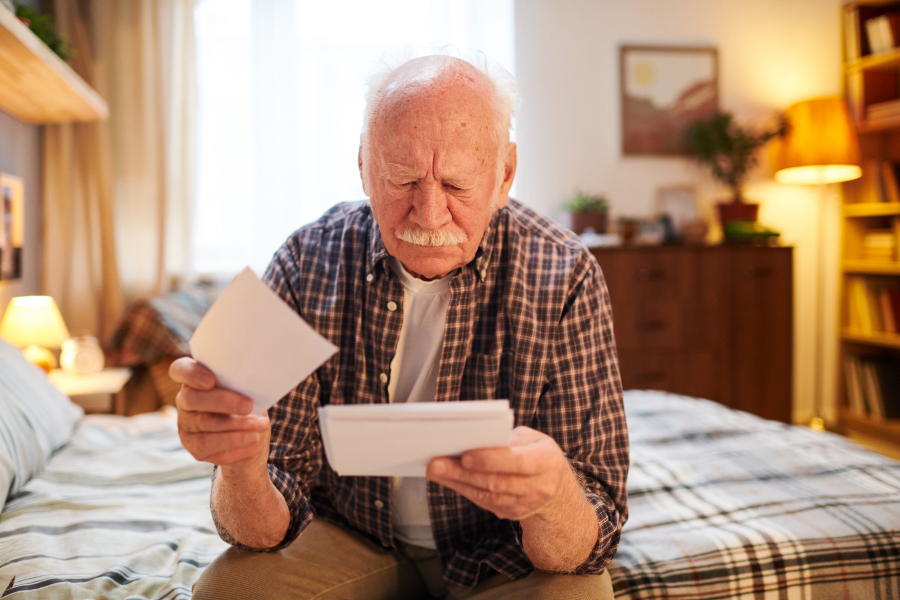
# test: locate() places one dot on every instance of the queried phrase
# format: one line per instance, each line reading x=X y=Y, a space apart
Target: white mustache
x=448 y=235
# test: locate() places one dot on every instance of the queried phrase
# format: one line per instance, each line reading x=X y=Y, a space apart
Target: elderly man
x=442 y=289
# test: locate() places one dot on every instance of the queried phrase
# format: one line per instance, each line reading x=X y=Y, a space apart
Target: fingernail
x=251 y=438
x=438 y=467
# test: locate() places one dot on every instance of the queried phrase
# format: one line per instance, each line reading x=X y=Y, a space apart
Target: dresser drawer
x=693 y=373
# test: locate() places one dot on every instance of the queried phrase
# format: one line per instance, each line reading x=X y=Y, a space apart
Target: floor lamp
x=820 y=147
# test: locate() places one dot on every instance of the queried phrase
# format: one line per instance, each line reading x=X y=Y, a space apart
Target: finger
x=197 y=422
x=202 y=446
x=217 y=400
x=505 y=506
x=532 y=459
x=523 y=435
x=499 y=483
x=188 y=371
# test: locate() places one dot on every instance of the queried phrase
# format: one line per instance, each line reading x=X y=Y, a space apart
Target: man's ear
x=509 y=174
x=361 y=175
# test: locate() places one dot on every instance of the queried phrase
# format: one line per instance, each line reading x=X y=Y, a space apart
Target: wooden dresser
x=709 y=321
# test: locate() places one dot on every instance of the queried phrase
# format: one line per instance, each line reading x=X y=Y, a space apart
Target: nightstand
x=95 y=392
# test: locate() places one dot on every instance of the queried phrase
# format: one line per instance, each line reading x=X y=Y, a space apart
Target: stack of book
x=883 y=32
x=882 y=178
x=873 y=306
x=873 y=386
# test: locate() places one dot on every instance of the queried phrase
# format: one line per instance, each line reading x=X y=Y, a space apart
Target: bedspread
x=727 y=505
x=122 y=511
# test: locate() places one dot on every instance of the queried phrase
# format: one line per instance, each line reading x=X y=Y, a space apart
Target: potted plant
x=730 y=151
x=588 y=211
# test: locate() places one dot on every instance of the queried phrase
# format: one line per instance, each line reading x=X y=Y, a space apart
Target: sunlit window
x=280 y=103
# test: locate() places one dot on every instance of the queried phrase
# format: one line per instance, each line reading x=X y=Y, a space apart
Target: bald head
x=431 y=77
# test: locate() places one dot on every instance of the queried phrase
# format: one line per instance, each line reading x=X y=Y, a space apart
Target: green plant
x=728 y=149
x=43 y=27
x=586 y=203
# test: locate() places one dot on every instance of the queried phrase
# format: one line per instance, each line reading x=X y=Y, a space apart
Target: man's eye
x=452 y=187
x=405 y=184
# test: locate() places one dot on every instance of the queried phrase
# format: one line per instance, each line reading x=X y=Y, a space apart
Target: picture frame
x=12 y=226
x=679 y=202
x=662 y=90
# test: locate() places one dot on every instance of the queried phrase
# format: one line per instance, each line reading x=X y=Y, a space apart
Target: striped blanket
x=122 y=511
x=723 y=505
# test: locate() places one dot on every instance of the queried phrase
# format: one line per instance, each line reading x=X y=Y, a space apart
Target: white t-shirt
x=414 y=372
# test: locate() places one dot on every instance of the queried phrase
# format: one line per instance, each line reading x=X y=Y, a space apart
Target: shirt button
x=392 y=306
x=383 y=377
x=370 y=277
x=379 y=504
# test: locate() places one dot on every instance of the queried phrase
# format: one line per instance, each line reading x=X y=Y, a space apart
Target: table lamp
x=34 y=323
x=820 y=147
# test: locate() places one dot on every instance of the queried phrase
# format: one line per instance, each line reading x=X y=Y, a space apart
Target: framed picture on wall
x=663 y=89
x=12 y=226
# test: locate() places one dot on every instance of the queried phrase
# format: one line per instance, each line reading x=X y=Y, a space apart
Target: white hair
x=501 y=85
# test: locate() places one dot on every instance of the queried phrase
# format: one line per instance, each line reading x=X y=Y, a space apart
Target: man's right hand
x=214 y=423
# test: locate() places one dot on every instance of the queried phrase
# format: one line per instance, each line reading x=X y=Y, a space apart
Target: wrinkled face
x=431 y=173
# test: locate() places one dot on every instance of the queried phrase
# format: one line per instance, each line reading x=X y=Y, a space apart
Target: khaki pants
x=330 y=562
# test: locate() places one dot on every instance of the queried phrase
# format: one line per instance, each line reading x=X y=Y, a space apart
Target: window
x=280 y=104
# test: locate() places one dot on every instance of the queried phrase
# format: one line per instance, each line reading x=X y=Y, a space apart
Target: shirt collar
x=378 y=253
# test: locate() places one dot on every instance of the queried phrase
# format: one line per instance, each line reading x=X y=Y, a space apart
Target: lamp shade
x=820 y=145
x=33 y=321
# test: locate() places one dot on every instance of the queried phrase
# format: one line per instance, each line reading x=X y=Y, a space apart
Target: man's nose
x=430 y=207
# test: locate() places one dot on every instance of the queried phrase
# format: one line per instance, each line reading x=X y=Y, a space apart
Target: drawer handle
x=650 y=274
x=757 y=272
x=649 y=326
x=649 y=377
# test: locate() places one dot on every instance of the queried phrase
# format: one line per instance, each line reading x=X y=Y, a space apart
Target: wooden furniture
x=872 y=86
x=708 y=321
x=36 y=86
x=95 y=392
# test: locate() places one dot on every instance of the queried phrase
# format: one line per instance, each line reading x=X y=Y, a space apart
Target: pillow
x=35 y=420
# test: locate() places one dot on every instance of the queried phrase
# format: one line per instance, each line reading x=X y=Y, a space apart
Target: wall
x=20 y=155
x=771 y=54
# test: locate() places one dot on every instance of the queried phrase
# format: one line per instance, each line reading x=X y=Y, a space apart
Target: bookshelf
x=869 y=345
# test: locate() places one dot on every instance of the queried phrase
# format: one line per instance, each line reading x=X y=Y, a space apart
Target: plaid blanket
x=726 y=505
x=723 y=505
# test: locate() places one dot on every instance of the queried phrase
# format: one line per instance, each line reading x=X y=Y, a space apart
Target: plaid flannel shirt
x=529 y=321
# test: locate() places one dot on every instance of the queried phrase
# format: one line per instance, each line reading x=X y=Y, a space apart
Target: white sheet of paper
x=256 y=344
x=401 y=439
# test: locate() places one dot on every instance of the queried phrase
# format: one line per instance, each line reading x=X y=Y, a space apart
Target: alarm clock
x=81 y=355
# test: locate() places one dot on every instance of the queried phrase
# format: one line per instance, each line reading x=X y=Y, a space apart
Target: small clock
x=81 y=355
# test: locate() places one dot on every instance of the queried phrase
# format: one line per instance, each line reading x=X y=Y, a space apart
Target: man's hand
x=530 y=482
x=513 y=483
x=214 y=423
x=215 y=426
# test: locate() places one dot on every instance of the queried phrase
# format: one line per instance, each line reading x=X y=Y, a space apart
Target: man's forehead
x=394 y=169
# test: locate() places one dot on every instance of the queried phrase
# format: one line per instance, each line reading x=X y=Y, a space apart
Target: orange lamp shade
x=820 y=145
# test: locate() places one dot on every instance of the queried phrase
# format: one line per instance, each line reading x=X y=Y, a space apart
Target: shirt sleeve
x=582 y=409
x=295 y=448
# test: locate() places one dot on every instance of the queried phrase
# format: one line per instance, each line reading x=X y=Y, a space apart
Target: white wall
x=771 y=53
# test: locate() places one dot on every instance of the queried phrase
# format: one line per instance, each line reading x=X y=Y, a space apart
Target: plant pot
x=582 y=220
x=737 y=211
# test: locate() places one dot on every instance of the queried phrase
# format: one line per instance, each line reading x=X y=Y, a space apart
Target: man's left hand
x=514 y=483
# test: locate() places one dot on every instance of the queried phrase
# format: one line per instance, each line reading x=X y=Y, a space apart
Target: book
x=879 y=245
x=889 y=176
x=873 y=389
x=883 y=110
x=860 y=305
x=874 y=307
x=887 y=311
x=878 y=32
x=855 y=396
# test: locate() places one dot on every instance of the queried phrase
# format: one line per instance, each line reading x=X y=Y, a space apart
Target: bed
x=723 y=504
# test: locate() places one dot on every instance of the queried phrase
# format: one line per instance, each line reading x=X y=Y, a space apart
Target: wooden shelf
x=36 y=86
x=868 y=267
x=880 y=60
x=888 y=429
x=877 y=338
x=871 y=209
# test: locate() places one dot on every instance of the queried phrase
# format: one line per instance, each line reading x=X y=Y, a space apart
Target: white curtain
x=280 y=102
